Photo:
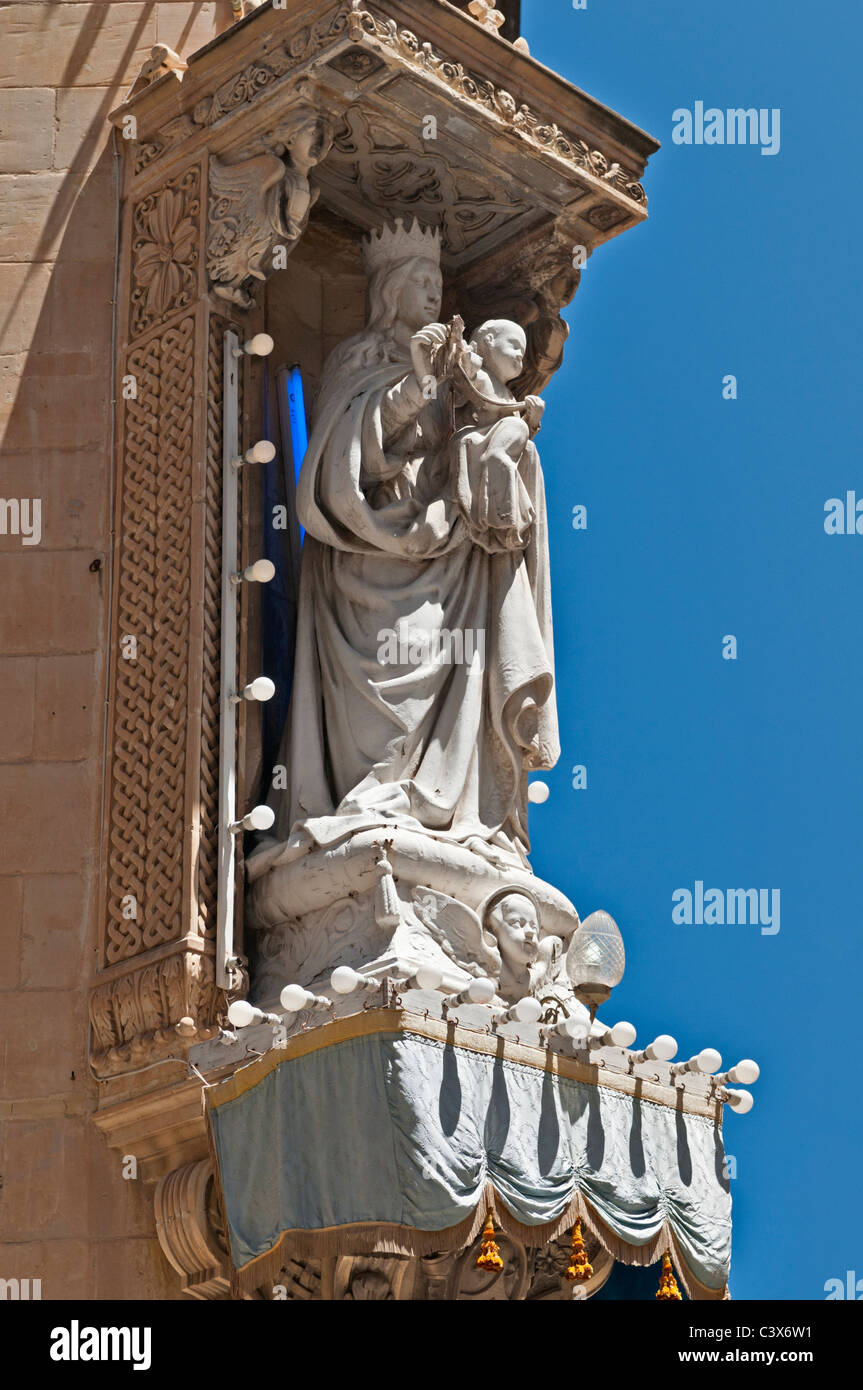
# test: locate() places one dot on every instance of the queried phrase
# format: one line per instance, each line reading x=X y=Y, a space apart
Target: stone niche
x=250 y=174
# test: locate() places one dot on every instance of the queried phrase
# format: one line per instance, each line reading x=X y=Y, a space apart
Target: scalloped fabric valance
x=401 y=1143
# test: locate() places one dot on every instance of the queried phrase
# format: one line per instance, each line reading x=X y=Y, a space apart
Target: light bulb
x=262 y=452
x=538 y=792
x=708 y=1060
x=242 y=1013
x=294 y=998
x=261 y=572
x=343 y=980
x=596 y=959
x=481 y=991
x=662 y=1049
x=746 y=1073
x=259 y=346
x=575 y=1027
x=527 y=1010
x=428 y=977
x=259 y=818
x=261 y=688
x=623 y=1034
x=741 y=1102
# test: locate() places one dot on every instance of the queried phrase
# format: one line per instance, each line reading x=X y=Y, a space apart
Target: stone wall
x=67 y=1215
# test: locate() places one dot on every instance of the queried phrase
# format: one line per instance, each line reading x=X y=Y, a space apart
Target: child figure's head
x=513 y=920
x=502 y=345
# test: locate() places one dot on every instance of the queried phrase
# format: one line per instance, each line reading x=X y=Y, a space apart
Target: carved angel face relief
x=515 y=924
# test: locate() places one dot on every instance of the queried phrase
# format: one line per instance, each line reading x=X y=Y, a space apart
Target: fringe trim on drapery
x=387 y=1238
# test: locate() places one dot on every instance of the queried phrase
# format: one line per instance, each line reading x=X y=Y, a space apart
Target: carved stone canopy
x=370 y=110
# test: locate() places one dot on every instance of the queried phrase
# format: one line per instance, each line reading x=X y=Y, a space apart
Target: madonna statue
x=423 y=687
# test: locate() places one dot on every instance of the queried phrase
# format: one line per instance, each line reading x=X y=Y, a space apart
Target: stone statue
x=423 y=688
x=392 y=550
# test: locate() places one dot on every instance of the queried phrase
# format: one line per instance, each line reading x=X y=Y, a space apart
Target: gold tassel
x=489 y=1255
x=668 y=1290
x=580 y=1269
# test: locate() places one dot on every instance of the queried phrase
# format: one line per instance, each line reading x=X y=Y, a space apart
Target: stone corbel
x=532 y=288
x=259 y=204
x=190 y=1231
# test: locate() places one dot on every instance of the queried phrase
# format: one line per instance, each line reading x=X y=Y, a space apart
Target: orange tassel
x=580 y=1269
x=668 y=1290
x=489 y=1255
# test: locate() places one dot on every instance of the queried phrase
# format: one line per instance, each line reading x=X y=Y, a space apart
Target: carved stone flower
x=166 y=251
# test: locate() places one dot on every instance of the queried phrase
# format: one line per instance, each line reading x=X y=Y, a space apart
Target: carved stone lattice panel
x=384 y=170
x=145 y=869
x=165 y=235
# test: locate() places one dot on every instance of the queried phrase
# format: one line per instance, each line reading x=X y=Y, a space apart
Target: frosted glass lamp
x=596 y=959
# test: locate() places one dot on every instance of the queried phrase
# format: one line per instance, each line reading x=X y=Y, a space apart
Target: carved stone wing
x=547 y=965
x=243 y=220
x=458 y=931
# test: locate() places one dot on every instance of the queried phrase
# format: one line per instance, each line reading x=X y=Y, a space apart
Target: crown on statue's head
x=398 y=243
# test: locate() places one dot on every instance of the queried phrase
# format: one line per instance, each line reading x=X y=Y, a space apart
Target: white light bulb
x=746 y=1072
x=429 y=977
x=241 y=1013
x=343 y=980
x=575 y=1028
x=261 y=572
x=481 y=991
x=259 y=818
x=663 y=1048
x=259 y=346
x=741 y=1102
x=538 y=792
x=294 y=998
x=709 y=1060
x=261 y=688
x=262 y=452
x=527 y=1010
x=623 y=1034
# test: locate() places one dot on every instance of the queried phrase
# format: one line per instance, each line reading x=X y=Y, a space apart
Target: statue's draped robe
x=425 y=746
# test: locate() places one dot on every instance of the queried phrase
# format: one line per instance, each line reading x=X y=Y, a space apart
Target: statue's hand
x=426 y=355
x=534 y=409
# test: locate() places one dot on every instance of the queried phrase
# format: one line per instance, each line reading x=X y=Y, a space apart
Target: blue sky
x=706 y=518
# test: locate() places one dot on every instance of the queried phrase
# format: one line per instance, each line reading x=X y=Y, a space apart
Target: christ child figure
x=495 y=438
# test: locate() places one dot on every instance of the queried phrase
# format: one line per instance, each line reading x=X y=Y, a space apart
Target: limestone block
x=11 y=901
x=23 y=290
x=83 y=131
x=186 y=25
x=47 y=215
x=45 y=1041
x=68 y=695
x=17 y=699
x=132 y=1270
x=52 y=828
x=54 y=931
x=73 y=489
x=52 y=602
x=65 y=1267
x=44 y=1178
x=26 y=128
x=50 y=411
x=73 y=45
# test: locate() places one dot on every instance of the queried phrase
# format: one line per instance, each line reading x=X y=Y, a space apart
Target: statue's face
x=419 y=302
x=515 y=925
x=503 y=352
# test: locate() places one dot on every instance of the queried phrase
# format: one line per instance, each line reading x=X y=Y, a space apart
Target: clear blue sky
x=706 y=517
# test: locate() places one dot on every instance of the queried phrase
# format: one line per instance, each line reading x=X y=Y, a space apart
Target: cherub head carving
x=511 y=915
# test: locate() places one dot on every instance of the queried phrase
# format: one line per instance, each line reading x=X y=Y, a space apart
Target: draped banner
x=382 y=1131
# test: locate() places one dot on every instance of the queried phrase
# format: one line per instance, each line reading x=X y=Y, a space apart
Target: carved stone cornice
x=154 y=1009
